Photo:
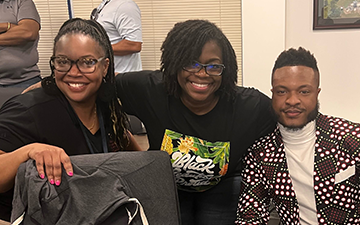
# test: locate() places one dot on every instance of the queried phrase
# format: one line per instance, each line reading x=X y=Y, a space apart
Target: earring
x=49 y=85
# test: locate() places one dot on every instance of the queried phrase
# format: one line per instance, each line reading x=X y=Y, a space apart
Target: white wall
x=338 y=56
x=337 y=53
x=263 y=29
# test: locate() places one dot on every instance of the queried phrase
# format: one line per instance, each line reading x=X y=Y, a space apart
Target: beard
x=310 y=117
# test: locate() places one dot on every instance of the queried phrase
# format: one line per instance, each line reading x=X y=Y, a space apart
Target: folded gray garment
x=105 y=189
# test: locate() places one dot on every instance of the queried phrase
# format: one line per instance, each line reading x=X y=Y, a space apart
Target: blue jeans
x=216 y=206
x=23 y=84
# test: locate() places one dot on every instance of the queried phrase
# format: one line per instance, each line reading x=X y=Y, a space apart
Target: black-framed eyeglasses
x=84 y=64
x=210 y=69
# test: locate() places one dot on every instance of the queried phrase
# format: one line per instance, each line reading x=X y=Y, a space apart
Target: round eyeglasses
x=84 y=64
x=210 y=69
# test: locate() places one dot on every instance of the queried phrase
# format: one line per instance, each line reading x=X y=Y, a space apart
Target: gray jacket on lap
x=105 y=189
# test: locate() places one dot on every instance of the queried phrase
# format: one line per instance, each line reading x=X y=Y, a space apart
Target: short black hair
x=184 y=44
x=296 y=57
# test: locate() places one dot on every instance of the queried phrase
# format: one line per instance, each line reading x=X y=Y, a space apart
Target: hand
x=52 y=158
x=34 y=86
x=133 y=145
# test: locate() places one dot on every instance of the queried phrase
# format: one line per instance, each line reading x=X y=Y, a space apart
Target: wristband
x=8 y=26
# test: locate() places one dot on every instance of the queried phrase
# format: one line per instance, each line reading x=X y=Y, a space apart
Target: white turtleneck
x=300 y=149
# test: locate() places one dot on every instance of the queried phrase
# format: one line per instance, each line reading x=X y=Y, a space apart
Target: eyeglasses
x=84 y=64
x=210 y=69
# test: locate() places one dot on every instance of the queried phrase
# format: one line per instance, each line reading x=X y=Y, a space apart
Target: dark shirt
x=240 y=121
x=38 y=117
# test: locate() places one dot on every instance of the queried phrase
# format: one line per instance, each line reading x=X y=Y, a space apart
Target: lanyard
x=95 y=13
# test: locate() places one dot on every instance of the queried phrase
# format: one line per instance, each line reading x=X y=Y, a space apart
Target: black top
x=240 y=121
x=39 y=117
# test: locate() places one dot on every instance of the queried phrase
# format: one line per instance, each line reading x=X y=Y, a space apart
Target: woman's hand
x=133 y=145
x=48 y=160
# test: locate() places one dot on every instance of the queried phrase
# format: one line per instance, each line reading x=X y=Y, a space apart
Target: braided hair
x=184 y=44
x=106 y=99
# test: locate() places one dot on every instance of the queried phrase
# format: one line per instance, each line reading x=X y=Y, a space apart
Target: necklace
x=94 y=121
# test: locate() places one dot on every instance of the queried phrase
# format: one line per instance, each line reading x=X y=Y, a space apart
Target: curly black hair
x=184 y=44
x=296 y=57
x=106 y=100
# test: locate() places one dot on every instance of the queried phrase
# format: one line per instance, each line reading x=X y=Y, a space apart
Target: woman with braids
x=193 y=109
x=75 y=112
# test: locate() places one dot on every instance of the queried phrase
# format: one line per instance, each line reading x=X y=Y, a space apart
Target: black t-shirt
x=239 y=122
x=39 y=117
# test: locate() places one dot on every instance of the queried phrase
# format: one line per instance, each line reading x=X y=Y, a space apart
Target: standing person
x=309 y=165
x=75 y=112
x=193 y=109
x=19 y=36
x=122 y=21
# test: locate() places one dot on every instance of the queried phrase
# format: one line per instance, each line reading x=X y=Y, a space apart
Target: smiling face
x=294 y=95
x=78 y=87
x=199 y=88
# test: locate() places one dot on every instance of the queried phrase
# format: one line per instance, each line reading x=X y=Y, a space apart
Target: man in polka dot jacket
x=309 y=166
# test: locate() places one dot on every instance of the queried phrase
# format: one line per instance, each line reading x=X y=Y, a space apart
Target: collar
x=298 y=137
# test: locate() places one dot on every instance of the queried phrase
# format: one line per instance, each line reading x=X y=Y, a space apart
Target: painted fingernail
x=57 y=183
x=52 y=181
x=42 y=176
x=70 y=174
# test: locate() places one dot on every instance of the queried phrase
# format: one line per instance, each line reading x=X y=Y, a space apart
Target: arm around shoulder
x=32 y=87
x=133 y=145
x=266 y=122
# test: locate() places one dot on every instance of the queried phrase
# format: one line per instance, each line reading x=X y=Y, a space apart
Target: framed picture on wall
x=336 y=14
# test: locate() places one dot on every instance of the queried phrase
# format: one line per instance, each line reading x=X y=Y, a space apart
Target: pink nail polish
x=52 y=181
x=57 y=183
x=42 y=176
x=70 y=174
